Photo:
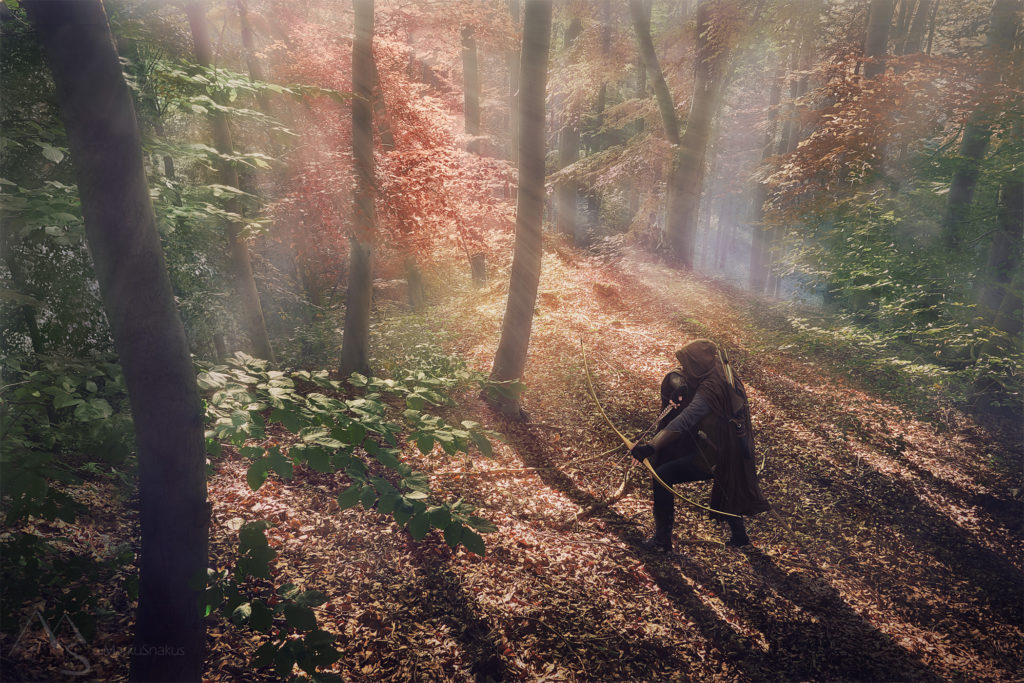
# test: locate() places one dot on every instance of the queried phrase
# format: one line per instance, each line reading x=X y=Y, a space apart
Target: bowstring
x=629 y=444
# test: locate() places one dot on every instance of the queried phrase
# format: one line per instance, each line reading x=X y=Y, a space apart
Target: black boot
x=661 y=541
x=739 y=533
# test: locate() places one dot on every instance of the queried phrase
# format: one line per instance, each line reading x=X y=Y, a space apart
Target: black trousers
x=688 y=467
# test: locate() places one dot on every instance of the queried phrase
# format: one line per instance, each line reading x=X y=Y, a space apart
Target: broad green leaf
x=440 y=518
x=402 y=512
x=261 y=617
x=264 y=655
x=63 y=400
x=284 y=662
x=482 y=525
x=280 y=464
x=52 y=153
x=453 y=534
x=387 y=502
x=288 y=591
x=318 y=459
x=388 y=458
x=473 y=542
x=349 y=496
x=425 y=443
x=252 y=535
x=311 y=598
x=257 y=473
x=289 y=419
x=419 y=525
x=300 y=617
x=483 y=443
x=356 y=432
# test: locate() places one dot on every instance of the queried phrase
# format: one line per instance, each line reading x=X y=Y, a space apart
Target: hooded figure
x=707 y=436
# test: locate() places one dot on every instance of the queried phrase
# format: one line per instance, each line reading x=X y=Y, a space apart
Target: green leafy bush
x=358 y=436
x=63 y=422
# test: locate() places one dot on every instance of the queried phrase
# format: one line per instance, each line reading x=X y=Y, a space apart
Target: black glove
x=679 y=394
x=642 y=451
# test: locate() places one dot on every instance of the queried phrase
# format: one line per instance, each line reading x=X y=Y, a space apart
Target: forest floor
x=902 y=559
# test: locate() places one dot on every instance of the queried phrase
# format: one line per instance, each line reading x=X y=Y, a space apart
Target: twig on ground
x=510 y=470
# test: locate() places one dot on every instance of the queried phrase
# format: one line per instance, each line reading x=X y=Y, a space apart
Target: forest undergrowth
x=896 y=553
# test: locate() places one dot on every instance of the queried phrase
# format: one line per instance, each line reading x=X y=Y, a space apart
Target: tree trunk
x=903 y=16
x=240 y=262
x=758 y=238
x=513 y=90
x=1010 y=319
x=686 y=182
x=251 y=61
x=931 y=28
x=567 y=191
x=915 y=36
x=645 y=44
x=876 y=43
x=478 y=267
x=1004 y=251
x=417 y=293
x=355 y=345
x=471 y=89
x=148 y=334
x=510 y=358
x=1001 y=35
x=599 y=140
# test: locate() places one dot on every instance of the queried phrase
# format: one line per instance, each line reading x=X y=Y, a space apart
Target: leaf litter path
x=904 y=562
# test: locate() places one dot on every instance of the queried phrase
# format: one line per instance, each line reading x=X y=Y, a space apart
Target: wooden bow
x=629 y=444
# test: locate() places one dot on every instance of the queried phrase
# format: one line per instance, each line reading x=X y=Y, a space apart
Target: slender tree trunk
x=567 y=192
x=148 y=334
x=915 y=36
x=641 y=86
x=510 y=358
x=168 y=160
x=876 y=44
x=686 y=173
x=1010 y=319
x=240 y=262
x=792 y=131
x=251 y=61
x=513 y=89
x=642 y=27
x=471 y=89
x=687 y=179
x=417 y=294
x=931 y=28
x=355 y=346
x=599 y=140
x=758 y=237
x=1004 y=251
x=903 y=16
x=1001 y=35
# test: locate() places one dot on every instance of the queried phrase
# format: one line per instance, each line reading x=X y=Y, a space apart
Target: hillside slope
x=903 y=562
